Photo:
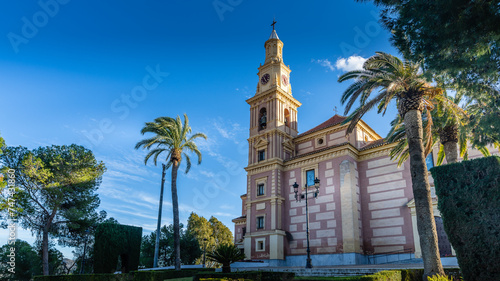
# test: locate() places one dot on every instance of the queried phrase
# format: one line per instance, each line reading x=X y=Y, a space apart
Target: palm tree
x=403 y=82
x=447 y=124
x=226 y=254
x=171 y=138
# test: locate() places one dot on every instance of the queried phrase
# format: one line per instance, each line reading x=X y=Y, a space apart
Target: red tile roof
x=374 y=144
x=335 y=120
x=239 y=218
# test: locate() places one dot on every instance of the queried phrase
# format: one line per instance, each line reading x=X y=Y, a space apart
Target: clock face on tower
x=284 y=79
x=265 y=78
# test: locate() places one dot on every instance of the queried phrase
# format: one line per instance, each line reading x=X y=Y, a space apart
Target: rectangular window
x=260 y=189
x=260 y=245
x=429 y=161
x=310 y=177
x=260 y=222
x=262 y=155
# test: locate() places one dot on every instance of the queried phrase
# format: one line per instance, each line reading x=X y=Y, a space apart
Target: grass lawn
x=182 y=279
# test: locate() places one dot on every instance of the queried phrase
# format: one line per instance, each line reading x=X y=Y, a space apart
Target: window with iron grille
x=260 y=189
x=262 y=155
x=260 y=222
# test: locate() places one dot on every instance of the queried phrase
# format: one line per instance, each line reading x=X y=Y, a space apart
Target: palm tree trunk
x=449 y=139
x=157 y=242
x=451 y=151
x=422 y=195
x=175 y=205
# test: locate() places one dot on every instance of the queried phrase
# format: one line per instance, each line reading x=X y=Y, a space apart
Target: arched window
x=262 y=118
x=287 y=118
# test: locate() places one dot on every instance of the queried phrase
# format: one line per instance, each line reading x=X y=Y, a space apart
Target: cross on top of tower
x=274 y=22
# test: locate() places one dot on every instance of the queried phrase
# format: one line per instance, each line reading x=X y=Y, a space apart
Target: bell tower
x=273 y=109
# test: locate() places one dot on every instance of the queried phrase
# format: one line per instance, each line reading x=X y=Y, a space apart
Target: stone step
x=317 y=272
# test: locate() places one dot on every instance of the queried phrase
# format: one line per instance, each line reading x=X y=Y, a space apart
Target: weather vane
x=335 y=110
x=274 y=22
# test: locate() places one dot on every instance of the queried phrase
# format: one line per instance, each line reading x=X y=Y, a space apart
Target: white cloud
x=350 y=64
x=207 y=173
x=325 y=63
x=134 y=213
x=228 y=129
x=221 y=214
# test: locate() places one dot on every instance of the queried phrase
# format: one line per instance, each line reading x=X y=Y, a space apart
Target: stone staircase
x=316 y=272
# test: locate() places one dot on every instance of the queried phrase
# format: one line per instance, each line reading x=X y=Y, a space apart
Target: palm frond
x=484 y=151
x=400 y=151
x=171 y=136
x=360 y=111
x=440 y=155
x=188 y=162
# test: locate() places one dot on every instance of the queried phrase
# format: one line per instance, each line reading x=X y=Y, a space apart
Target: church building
x=363 y=208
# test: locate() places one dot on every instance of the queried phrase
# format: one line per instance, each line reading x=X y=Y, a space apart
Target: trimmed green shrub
x=252 y=275
x=85 y=277
x=271 y=276
x=224 y=279
x=439 y=278
x=417 y=274
x=113 y=240
x=387 y=275
x=392 y=275
x=469 y=202
x=150 y=275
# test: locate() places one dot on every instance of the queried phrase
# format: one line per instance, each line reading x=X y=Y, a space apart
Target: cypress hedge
x=83 y=277
x=113 y=240
x=469 y=202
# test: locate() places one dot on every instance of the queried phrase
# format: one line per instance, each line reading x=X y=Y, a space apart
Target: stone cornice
x=329 y=153
x=271 y=132
x=265 y=233
x=272 y=199
x=263 y=166
x=274 y=92
x=378 y=151
x=271 y=64
x=240 y=221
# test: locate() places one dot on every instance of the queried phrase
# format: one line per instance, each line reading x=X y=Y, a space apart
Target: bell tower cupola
x=273 y=109
x=274 y=48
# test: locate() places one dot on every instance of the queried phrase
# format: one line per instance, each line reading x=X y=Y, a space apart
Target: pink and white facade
x=364 y=206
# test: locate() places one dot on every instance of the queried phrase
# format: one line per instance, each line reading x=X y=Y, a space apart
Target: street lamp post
x=298 y=199
x=204 y=250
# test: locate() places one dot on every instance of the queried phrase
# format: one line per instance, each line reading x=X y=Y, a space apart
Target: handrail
x=375 y=256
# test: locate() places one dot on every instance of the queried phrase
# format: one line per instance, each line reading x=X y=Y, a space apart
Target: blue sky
x=75 y=72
